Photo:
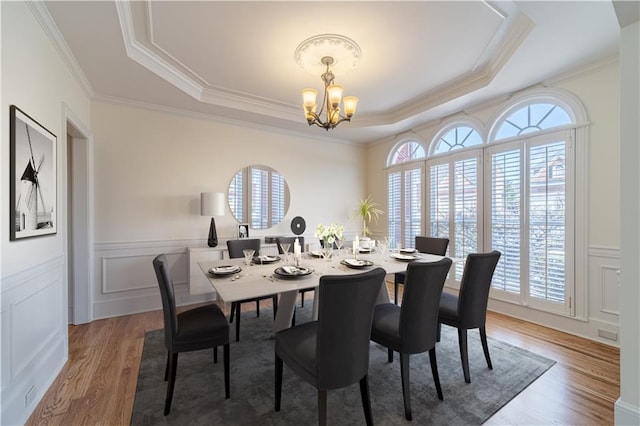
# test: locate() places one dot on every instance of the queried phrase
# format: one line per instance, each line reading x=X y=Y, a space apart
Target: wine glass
x=248 y=255
x=339 y=244
x=285 y=251
x=382 y=247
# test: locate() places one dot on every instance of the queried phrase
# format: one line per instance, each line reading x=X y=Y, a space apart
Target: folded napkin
x=407 y=250
x=404 y=256
x=228 y=268
x=291 y=269
x=355 y=262
x=265 y=258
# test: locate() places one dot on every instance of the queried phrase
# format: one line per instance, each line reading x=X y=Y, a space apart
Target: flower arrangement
x=330 y=233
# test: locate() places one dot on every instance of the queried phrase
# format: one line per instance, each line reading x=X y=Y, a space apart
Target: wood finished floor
x=98 y=383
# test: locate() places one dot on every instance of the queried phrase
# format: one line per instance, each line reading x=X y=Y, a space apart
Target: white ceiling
x=421 y=60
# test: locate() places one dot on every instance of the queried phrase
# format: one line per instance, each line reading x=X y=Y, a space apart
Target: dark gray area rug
x=198 y=397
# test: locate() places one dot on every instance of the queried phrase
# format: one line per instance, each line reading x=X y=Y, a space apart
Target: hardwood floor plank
x=97 y=385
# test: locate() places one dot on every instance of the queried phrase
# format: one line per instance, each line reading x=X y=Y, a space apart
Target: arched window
x=531 y=211
x=405 y=191
x=407 y=151
x=457 y=138
x=532 y=118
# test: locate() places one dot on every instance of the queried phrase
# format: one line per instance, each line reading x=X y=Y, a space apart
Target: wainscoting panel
x=34 y=342
x=125 y=282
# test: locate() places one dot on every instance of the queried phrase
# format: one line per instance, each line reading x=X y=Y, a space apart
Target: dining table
x=235 y=279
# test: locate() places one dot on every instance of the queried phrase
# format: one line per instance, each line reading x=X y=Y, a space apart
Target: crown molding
x=42 y=15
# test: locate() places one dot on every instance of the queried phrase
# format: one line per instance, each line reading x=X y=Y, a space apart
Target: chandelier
x=343 y=54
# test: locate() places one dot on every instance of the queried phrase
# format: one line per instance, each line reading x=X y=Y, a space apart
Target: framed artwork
x=243 y=230
x=32 y=168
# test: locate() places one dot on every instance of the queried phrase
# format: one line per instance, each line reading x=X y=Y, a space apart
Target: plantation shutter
x=394 y=185
x=465 y=218
x=506 y=224
x=439 y=201
x=259 y=198
x=278 y=194
x=547 y=221
x=412 y=206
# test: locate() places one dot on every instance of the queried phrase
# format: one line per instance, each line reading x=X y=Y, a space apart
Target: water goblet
x=285 y=251
x=382 y=247
x=248 y=255
x=339 y=244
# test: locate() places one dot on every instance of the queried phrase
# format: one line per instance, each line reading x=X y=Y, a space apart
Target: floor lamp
x=212 y=204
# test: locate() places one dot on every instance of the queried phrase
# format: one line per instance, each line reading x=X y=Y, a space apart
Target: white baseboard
x=626 y=414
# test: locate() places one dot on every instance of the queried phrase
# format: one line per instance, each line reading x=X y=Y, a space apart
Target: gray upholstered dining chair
x=235 y=248
x=290 y=241
x=333 y=352
x=412 y=327
x=468 y=309
x=431 y=245
x=199 y=328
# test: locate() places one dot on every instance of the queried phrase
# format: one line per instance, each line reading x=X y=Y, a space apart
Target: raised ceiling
x=420 y=60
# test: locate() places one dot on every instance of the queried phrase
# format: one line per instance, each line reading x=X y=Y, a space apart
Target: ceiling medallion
x=317 y=54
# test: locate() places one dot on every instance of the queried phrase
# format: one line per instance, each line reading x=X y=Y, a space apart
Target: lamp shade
x=212 y=204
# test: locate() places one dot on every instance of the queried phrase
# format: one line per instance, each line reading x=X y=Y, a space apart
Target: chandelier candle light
x=333 y=50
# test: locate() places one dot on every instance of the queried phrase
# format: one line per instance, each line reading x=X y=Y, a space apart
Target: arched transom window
x=407 y=151
x=457 y=138
x=532 y=118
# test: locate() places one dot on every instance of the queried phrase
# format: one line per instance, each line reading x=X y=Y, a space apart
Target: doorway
x=79 y=223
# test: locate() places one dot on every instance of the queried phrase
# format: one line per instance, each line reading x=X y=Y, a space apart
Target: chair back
x=345 y=314
x=235 y=247
x=432 y=245
x=161 y=266
x=289 y=240
x=474 y=288
x=420 y=305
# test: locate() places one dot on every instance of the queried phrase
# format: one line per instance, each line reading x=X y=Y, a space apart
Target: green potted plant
x=367 y=210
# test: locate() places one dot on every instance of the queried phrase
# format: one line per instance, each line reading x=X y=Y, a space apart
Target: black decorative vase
x=213 y=235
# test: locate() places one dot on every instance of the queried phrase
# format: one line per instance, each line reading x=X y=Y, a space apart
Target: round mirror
x=259 y=196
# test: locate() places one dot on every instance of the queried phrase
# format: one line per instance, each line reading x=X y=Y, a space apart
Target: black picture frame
x=33 y=177
x=243 y=230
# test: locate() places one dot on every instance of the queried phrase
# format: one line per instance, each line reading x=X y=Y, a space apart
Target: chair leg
x=389 y=355
x=434 y=372
x=395 y=292
x=293 y=319
x=366 y=401
x=438 y=331
x=226 y=349
x=322 y=407
x=464 y=354
x=278 y=388
x=406 y=393
x=258 y=308
x=302 y=299
x=215 y=354
x=485 y=347
x=166 y=368
x=238 y=323
x=173 y=366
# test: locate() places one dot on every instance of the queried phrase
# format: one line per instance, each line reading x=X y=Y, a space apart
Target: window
x=457 y=138
x=405 y=194
x=532 y=207
x=453 y=203
x=530 y=220
x=517 y=194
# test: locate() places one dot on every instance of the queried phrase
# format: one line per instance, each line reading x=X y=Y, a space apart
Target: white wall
x=33 y=286
x=627 y=408
x=149 y=169
x=598 y=89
